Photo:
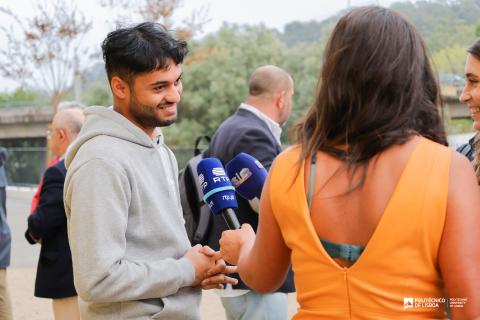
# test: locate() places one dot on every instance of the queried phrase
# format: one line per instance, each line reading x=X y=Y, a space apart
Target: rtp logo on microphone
x=220 y=176
x=218 y=171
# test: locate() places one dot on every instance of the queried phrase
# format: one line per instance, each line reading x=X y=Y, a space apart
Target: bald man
x=61 y=106
x=47 y=225
x=254 y=128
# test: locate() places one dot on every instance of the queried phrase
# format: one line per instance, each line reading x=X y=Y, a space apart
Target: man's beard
x=145 y=114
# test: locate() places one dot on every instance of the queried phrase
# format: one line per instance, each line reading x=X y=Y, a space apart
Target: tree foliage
x=218 y=67
x=297 y=33
x=18 y=97
x=96 y=87
x=446 y=25
x=442 y=23
x=216 y=75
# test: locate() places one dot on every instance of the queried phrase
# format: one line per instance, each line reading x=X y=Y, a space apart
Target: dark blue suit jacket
x=49 y=223
x=243 y=132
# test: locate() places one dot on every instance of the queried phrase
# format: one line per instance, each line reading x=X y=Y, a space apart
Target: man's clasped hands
x=210 y=266
x=210 y=269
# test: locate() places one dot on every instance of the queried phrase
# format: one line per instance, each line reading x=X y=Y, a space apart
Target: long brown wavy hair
x=376 y=89
x=475 y=50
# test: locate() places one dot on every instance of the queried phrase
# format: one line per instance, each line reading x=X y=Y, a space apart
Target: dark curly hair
x=143 y=48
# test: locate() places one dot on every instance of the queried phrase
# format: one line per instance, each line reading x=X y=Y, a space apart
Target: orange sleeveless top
x=400 y=260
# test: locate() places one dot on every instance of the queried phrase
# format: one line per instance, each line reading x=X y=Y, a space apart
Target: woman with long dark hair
x=471 y=97
x=378 y=218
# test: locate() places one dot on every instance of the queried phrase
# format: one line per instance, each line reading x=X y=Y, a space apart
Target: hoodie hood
x=118 y=127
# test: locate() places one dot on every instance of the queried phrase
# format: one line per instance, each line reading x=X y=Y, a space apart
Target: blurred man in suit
x=62 y=105
x=5 y=243
x=254 y=128
x=48 y=224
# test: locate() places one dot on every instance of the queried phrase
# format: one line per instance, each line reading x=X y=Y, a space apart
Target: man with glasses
x=47 y=224
x=61 y=106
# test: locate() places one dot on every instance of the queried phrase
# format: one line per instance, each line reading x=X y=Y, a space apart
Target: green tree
x=20 y=97
x=450 y=60
x=297 y=33
x=216 y=77
x=98 y=94
x=95 y=86
x=442 y=23
x=304 y=63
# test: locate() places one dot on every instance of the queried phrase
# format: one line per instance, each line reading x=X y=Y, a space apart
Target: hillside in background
x=219 y=64
x=448 y=28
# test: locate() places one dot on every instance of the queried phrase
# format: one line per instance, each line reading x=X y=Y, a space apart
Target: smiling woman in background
x=471 y=97
x=369 y=206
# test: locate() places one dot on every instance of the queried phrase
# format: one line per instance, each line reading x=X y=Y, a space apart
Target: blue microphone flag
x=218 y=192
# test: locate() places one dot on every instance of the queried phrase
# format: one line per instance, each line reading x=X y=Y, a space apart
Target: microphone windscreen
x=247 y=175
x=218 y=192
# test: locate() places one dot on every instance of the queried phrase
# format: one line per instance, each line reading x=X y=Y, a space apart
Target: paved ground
x=27 y=307
x=21 y=275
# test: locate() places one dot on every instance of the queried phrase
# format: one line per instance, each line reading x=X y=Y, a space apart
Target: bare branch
x=194 y=24
x=41 y=50
x=161 y=11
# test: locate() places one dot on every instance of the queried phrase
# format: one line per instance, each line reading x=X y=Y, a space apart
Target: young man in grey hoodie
x=130 y=251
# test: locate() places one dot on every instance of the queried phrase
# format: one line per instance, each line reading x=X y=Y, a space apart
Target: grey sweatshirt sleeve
x=97 y=197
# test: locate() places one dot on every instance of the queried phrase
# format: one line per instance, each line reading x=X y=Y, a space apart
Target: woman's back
x=400 y=221
x=342 y=215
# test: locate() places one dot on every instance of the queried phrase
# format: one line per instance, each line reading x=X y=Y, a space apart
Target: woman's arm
x=459 y=253
x=263 y=260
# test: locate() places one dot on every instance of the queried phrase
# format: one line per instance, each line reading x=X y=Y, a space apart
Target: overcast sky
x=272 y=13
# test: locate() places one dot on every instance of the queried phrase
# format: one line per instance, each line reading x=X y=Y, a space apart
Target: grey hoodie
x=125 y=224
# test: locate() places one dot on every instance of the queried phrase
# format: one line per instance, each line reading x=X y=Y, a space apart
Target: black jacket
x=243 y=132
x=49 y=223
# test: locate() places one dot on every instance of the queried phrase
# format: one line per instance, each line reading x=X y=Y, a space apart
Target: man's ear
x=280 y=99
x=62 y=133
x=120 y=88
